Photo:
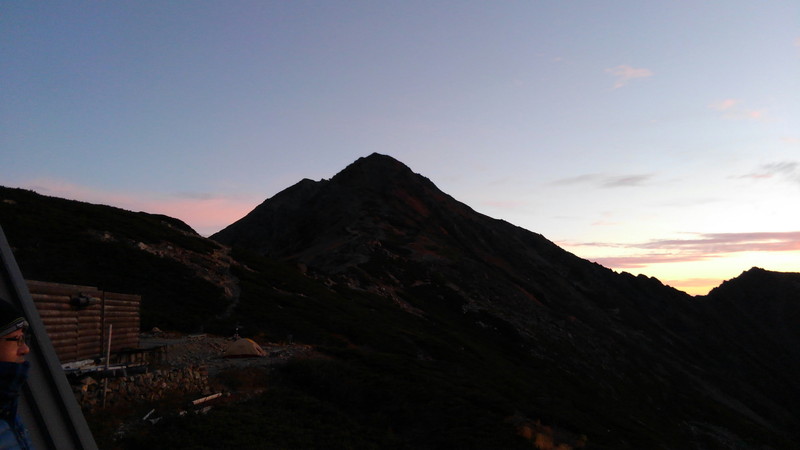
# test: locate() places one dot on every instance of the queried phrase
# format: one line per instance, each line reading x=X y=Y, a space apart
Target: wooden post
x=108 y=349
x=108 y=359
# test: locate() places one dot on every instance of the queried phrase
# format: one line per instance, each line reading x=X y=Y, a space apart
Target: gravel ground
x=209 y=351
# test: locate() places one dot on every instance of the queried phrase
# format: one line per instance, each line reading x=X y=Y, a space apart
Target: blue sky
x=653 y=137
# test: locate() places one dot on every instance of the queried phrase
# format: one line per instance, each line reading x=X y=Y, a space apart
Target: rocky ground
x=196 y=367
x=210 y=351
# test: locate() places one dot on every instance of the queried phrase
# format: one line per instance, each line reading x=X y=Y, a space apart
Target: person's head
x=13 y=326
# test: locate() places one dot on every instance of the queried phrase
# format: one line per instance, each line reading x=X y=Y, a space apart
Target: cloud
x=626 y=181
x=605 y=181
x=731 y=109
x=625 y=73
x=724 y=105
x=722 y=243
x=580 y=179
x=785 y=170
x=705 y=246
x=689 y=202
x=640 y=261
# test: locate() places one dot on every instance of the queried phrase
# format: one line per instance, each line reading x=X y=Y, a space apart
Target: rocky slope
x=650 y=350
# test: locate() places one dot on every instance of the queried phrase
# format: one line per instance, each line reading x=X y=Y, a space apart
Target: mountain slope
x=440 y=327
x=378 y=227
x=182 y=277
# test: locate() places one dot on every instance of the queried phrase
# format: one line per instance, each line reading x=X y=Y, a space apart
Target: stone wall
x=145 y=387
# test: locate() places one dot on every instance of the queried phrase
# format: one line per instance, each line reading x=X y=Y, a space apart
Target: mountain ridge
x=379 y=227
x=388 y=275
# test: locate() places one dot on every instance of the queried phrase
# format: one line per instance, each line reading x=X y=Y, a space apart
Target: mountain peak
x=374 y=171
x=378 y=161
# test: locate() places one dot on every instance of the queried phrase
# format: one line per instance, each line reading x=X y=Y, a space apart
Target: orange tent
x=243 y=348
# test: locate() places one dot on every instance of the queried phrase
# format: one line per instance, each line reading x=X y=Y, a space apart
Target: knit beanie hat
x=10 y=318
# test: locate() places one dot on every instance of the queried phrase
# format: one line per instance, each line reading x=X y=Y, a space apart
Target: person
x=13 y=374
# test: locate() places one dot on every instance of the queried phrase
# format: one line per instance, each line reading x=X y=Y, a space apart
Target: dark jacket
x=13 y=434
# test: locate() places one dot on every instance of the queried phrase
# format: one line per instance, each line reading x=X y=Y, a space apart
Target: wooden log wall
x=81 y=332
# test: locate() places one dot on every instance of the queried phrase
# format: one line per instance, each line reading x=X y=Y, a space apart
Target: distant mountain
x=442 y=327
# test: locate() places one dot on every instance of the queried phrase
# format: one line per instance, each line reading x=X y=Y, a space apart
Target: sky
x=658 y=138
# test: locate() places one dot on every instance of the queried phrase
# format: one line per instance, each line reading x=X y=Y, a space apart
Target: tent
x=242 y=348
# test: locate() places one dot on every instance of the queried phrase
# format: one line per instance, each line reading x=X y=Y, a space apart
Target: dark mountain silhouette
x=442 y=327
x=181 y=276
x=379 y=227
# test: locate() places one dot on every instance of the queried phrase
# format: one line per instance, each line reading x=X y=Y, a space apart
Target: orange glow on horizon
x=694 y=286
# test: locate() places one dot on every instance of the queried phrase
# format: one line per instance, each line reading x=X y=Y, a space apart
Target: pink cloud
x=644 y=260
x=724 y=105
x=625 y=73
x=705 y=246
x=731 y=109
x=721 y=243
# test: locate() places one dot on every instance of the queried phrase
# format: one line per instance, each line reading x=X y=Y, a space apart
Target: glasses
x=21 y=340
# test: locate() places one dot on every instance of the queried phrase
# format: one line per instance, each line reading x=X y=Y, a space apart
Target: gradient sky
x=655 y=137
